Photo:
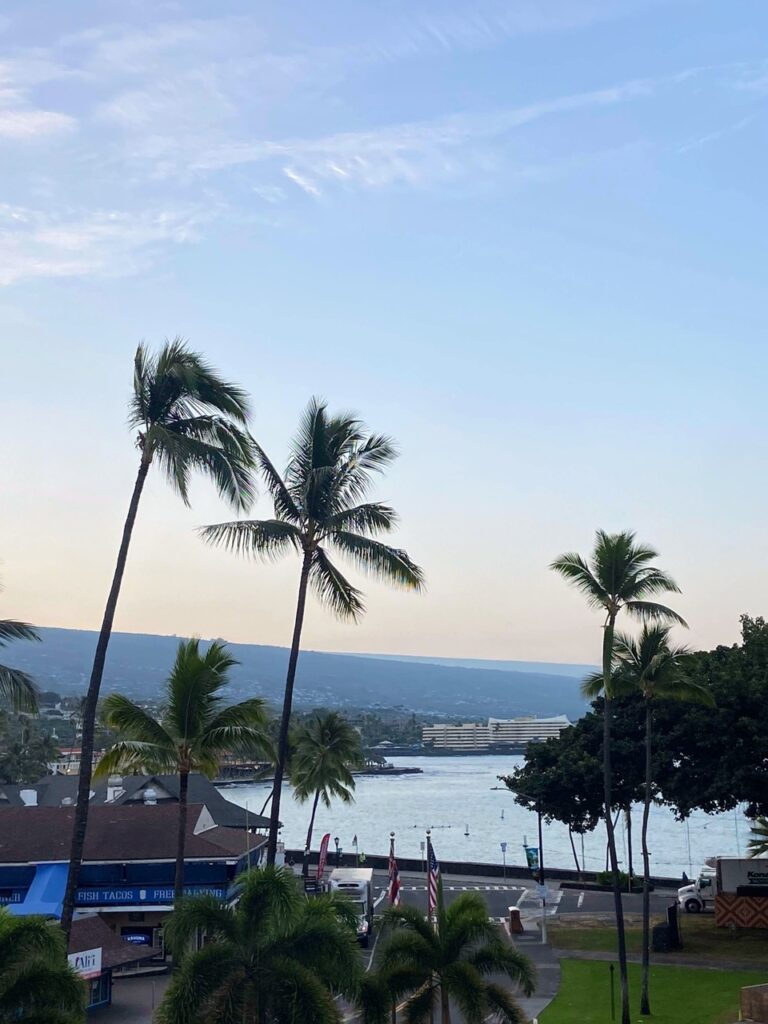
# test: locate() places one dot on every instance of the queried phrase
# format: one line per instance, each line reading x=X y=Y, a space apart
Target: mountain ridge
x=137 y=664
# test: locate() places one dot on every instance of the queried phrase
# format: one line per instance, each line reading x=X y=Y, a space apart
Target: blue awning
x=46 y=893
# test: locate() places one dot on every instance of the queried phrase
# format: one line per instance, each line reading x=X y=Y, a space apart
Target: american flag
x=394 y=877
x=434 y=879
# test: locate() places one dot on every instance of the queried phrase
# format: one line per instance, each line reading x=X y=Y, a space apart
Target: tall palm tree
x=318 y=504
x=325 y=749
x=277 y=958
x=194 y=733
x=16 y=687
x=651 y=666
x=618 y=577
x=37 y=985
x=186 y=417
x=453 y=961
x=758 y=843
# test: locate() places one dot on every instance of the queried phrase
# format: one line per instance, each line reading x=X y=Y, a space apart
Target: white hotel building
x=494 y=734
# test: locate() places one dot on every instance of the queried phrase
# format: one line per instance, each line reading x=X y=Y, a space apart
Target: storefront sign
x=101 y=896
x=87 y=964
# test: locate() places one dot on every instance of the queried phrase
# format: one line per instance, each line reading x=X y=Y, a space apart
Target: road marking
x=378 y=900
x=581 y=900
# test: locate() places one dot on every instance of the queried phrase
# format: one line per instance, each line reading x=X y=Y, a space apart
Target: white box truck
x=357 y=885
x=741 y=876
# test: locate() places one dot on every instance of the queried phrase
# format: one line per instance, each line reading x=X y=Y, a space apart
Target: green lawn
x=679 y=995
x=700 y=938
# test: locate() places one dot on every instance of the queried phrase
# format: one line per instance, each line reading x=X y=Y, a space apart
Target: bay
x=454 y=796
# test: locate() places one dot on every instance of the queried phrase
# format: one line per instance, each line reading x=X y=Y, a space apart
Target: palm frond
x=18 y=689
x=135 y=756
x=10 y=630
x=228 y=469
x=653 y=611
x=285 y=507
x=377 y=559
x=128 y=719
x=263 y=538
x=574 y=569
x=333 y=588
x=193 y=914
x=502 y=1006
x=369 y=518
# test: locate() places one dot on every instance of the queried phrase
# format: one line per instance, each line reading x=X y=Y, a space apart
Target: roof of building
x=53 y=789
x=92 y=932
x=32 y=835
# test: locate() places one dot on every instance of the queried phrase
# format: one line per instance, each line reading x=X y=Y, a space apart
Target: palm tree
x=618 y=577
x=186 y=418
x=194 y=732
x=318 y=504
x=649 y=665
x=453 y=961
x=758 y=844
x=37 y=985
x=16 y=687
x=324 y=750
x=275 y=959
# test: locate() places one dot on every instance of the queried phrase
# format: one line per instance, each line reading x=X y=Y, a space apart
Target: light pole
x=338 y=850
x=504 y=858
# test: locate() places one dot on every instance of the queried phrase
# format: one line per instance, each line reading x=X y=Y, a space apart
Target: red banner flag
x=323 y=856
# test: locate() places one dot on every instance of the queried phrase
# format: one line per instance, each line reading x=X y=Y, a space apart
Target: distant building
x=495 y=734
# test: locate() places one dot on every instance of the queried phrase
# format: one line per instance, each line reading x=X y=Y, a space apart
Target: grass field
x=700 y=938
x=679 y=995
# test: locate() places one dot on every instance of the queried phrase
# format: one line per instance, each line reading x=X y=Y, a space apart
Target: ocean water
x=455 y=796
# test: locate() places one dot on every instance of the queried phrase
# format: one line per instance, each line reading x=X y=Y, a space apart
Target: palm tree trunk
x=446 y=1005
x=607 y=794
x=630 y=864
x=264 y=805
x=181 y=836
x=285 y=721
x=91 y=702
x=645 y=1005
x=311 y=828
x=573 y=851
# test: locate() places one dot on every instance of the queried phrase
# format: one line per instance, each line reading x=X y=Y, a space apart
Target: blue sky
x=526 y=238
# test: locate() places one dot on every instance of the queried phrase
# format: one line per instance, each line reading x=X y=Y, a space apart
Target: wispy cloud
x=20 y=118
x=107 y=243
x=411 y=152
x=715 y=136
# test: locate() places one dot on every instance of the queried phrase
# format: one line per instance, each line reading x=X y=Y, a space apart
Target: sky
x=526 y=238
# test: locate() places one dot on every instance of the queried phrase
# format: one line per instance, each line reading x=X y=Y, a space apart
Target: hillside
x=137 y=664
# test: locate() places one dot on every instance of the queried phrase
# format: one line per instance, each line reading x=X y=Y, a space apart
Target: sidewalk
x=132 y=1001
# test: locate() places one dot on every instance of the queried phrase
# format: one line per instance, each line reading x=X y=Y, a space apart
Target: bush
x=606 y=878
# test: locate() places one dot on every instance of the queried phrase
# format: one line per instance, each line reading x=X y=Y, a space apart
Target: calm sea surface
x=455 y=795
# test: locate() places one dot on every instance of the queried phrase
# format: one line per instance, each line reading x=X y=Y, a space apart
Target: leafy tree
x=325 y=749
x=454 y=960
x=26 y=755
x=37 y=985
x=17 y=688
x=186 y=418
x=758 y=843
x=649 y=665
x=195 y=731
x=716 y=759
x=277 y=958
x=318 y=506
x=618 y=577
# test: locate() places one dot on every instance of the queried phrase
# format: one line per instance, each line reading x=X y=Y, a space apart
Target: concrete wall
x=754 y=1004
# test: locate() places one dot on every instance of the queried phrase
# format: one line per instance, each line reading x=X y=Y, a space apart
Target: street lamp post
x=504 y=858
x=338 y=851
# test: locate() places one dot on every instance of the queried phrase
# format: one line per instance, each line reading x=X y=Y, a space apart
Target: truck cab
x=699 y=895
x=357 y=885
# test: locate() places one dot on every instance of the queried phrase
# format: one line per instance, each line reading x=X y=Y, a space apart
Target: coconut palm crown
x=195 y=731
x=454 y=961
x=325 y=749
x=187 y=418
x=37 y=985
x=276 y=958
x=320 y=511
